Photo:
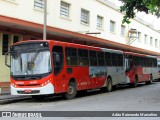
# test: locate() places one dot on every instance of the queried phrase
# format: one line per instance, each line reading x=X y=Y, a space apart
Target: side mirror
x=6 y=59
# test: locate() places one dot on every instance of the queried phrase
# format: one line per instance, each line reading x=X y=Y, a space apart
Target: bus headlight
x=13 y=85
x=45 y=83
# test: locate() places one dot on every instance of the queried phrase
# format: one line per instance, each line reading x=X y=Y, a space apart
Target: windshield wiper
x=31 y=64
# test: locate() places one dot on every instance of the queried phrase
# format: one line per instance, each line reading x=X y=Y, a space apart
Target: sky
x=146 y=17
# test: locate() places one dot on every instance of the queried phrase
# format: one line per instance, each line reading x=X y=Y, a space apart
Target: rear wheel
x=135 y=83
x=108 y=87
x=150 y=81
x=71 y=92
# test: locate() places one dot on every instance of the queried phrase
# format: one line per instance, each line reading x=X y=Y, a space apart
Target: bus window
x=58 y=59
x=120 y=59
x=71 y=56
x=127 y=64
x=101 y=59
x=93 y=58
x=114 y=59
x=83 y=57
x=108 y=59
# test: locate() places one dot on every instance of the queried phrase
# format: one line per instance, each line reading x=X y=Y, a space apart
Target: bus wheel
x=150 y=81
x=71 y=92
x=109 y=85
x=135 y=83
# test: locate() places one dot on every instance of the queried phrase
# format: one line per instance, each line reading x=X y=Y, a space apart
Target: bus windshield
x=31 y=63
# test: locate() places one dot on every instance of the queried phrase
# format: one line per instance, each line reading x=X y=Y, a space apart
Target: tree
x=130 y=7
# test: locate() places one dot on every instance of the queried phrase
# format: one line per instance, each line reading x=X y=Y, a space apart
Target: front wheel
x=71 y=92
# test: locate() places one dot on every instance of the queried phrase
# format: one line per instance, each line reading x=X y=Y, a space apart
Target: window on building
x=84 y=16
x=39 y=4
x=10 y=0
x=64 y=10
x=112 y=26
x=15 y=39
x=5 y=43
x=139 y=36
x=145 y=39
x=156 y=43
x=99 y=22
x=151 y=41
x=123 y=30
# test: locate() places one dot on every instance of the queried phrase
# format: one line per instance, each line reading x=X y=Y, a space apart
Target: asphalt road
x=142 y=98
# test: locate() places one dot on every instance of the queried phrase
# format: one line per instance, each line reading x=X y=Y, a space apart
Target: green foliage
x=130 y=7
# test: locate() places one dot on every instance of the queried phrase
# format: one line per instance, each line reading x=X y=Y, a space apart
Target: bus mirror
x=6 y=59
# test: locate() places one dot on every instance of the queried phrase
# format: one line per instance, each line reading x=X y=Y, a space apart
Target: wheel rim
x=70 y=90
x=109 y=85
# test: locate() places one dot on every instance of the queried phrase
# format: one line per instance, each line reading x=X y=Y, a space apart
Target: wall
x=24 y=9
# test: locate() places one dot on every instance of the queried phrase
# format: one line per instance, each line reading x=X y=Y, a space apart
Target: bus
x=140 y=68
x=158 y=62
x=44 y=67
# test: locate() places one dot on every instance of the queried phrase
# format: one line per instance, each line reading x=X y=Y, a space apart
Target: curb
x=15 y=99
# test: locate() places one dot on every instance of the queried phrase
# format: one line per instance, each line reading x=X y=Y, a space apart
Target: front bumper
x=48 y=89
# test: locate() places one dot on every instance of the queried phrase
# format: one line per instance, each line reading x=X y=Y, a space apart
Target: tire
x=71 y=92
x=108 y=87
x=133 y=85
x=150 y=82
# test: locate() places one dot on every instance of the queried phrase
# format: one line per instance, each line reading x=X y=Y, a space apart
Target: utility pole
x=45 y=21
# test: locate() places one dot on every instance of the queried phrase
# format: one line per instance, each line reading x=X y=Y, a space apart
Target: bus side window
x=58 y=59
x=128 y=64
x=83 y=57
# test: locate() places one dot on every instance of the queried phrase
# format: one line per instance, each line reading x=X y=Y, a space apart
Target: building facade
x=96 y=18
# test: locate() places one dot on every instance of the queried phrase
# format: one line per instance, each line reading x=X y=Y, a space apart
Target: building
x=91 y=22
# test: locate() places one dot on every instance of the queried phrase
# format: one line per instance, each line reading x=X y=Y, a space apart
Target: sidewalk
x=6 y=97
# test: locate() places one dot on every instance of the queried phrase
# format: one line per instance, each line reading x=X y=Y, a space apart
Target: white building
x=70 y=19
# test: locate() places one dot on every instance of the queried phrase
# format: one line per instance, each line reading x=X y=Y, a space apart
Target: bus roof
x=112 y=51
x=69 y=44
x=137 y=54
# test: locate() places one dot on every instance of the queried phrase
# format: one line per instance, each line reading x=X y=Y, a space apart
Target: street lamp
x=45 y=20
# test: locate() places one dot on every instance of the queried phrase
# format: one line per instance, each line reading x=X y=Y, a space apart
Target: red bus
x=46 y=67
x=51 y=67
x=158 y=62
x=140 y=68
